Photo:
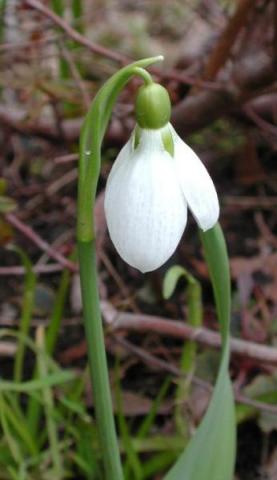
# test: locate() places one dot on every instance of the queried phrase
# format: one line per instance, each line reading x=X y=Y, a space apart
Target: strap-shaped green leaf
x=210 y=454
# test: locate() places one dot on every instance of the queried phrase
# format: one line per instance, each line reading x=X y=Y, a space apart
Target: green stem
x=49 y=408
x=3 y=5
x=92 y=135
x=53 y=329
x=34 y=408
x=77 y=11
x=26 y=314
x=187 y=364
x=98 y=362
x=146 y=77
x=131 y=455
x=58 y=7
x=216 y=256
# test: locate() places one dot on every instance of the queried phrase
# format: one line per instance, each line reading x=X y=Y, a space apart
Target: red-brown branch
x=221 y=52
x=19 y=270
x=37 y=240
x=76 y=36
x=108 y=53
x=178 y=329
x=156 y=362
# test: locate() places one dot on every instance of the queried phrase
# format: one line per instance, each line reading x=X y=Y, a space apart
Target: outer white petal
x=145 y=208
x=196 y=184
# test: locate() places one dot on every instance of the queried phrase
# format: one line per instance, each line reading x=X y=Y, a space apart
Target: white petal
x=145 y=208
x=196 y=184
x=119 y=162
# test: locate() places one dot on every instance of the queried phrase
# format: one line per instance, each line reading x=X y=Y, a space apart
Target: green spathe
x=153 y=106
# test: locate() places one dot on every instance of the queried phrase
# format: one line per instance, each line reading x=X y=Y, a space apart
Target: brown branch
x=7 y=349
x=69 y=157
x=61 y=182
x=248 y=202
x=163 y=365
x=118 y=57
x=38 y=42
x=151 y=360
x=275 y=37
x=17 y=120
x=76 y=36
x=191 y=114
x=221 y=52
x=202 y=108
x=178 y=329
x=260 y=122
x=19 y=270
x=37 y=240
x=195 y=111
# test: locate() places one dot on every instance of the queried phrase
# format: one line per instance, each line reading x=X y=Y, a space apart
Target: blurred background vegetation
x=220 y=71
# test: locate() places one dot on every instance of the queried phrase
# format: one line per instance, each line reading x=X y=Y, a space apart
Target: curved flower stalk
x=147 y=195
x=92 y=134
x=155 y=177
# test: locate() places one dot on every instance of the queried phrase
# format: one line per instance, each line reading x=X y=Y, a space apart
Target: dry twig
x=178 y=329
x=150 y=359
x=37 y=240
x=76 y=36
x=19 y=270
x=222 y=50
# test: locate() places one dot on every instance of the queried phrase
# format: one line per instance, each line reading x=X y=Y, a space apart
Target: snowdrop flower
x=153 y=181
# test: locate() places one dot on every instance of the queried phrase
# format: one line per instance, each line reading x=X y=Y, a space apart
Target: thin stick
x=222 y=49
x=37 y=240
x=150 y=359
x=118 y=57
x=177 y=329
x=19 y=270
x=76 y=36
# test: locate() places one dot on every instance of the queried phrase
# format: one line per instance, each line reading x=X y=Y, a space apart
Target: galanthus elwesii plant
x=154 y=180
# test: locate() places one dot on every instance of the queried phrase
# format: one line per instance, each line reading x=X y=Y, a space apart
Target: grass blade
x=49 y=410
